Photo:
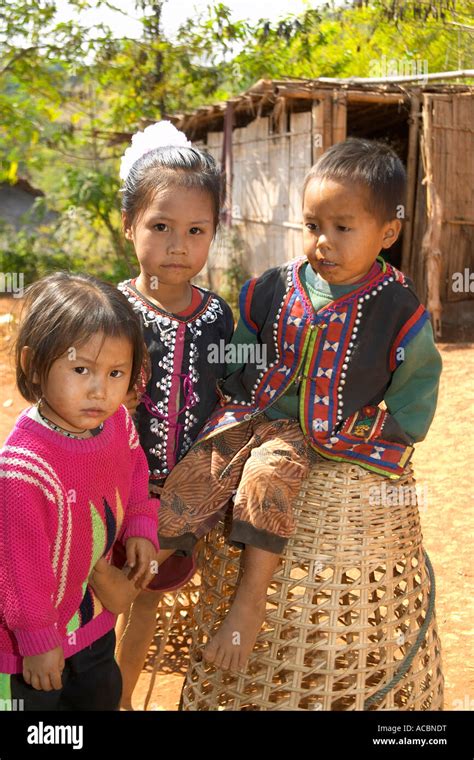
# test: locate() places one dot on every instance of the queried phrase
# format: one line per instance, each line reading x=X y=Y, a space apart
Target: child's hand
x=140 y=554
x=43 y=671
x=131 y=401
x=101 y=566
x=112 y=587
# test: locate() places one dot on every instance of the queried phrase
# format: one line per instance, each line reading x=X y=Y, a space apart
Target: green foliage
x=23 y=252
x=96 y=194
x=347 y=41
x=37 y=57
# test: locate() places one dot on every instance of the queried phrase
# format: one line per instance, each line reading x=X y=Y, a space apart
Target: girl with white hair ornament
x=171 y=199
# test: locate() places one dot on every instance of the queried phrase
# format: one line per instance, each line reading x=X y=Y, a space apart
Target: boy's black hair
x=370 y=163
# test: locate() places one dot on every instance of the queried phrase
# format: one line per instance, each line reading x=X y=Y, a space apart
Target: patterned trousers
x=254 y=469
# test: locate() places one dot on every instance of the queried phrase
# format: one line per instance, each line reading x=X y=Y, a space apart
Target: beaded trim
x=252 y=401
x=366 y=292
x=388 y=458
x=166 y=327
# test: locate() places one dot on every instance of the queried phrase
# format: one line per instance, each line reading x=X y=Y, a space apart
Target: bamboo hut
x=268 y=137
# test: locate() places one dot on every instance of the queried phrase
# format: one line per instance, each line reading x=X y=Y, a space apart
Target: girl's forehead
x=98 y=344
x=181 y=201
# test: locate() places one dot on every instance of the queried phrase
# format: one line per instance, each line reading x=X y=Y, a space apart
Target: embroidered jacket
x=343 y=357
x=181 y=392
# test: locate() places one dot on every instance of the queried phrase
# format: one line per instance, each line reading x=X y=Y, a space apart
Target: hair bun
x=159 y=135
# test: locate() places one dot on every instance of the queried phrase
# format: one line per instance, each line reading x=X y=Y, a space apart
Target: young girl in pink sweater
x=73 y=479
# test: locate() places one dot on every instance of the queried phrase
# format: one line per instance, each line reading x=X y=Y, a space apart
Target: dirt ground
x=442 y=463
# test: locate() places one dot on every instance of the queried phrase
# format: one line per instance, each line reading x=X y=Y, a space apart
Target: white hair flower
x=158 y=135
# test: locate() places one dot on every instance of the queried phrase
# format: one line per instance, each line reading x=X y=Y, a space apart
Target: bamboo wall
x=450 y=126
x=268 y=173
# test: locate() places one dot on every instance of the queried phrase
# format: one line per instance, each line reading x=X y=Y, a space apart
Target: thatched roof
x=261 y=98
x=263 y=95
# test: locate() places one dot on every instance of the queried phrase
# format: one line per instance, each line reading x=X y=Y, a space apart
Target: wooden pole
x=317 y=130
x=421 y=78
x=227 y=162
x=279 y=117
x=412 y=176
x=353 y=96
x=430 y=249
x=327 y=120
x=339 y=117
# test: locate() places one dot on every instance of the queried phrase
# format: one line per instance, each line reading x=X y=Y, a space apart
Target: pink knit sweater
x=63 y=503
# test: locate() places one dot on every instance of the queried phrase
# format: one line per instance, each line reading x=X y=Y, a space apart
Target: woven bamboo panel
x=448 y=140
x=344 y=608
x=169 y=652
x=173 y=622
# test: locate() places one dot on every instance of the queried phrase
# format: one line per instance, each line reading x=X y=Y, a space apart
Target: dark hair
x=370 y=163
x=170 y=165
x=63 y=310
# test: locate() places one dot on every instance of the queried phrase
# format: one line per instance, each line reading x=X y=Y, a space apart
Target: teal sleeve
x=242 y=337
x=412 y=395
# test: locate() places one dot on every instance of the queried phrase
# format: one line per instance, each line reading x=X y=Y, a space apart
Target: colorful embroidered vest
x=180 y=370
x=342 y=357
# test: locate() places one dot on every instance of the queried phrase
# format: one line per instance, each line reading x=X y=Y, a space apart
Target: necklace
x=61 y=430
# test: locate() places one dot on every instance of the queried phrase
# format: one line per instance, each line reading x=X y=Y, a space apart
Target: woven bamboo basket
x=169 y=652
x=350 y=621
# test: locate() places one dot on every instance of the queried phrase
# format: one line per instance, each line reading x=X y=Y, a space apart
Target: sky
x=176 y=11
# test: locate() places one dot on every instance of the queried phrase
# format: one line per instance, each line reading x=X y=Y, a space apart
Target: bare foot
x=231 y=646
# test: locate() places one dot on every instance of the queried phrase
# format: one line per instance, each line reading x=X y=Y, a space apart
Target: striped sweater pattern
x=63 y=504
